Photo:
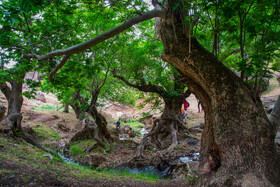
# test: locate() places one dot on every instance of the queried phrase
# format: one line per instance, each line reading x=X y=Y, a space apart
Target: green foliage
x=191 y=179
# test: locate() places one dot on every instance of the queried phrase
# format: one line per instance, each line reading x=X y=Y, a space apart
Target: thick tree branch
x=100 y=38
x=5 y=89
x=59 y=66
x=143 y=87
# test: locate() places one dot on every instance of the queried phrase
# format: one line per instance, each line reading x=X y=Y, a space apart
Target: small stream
x=163 y=170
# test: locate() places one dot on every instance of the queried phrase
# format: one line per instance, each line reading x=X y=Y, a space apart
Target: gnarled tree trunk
x=237 y=145
x=14 y=98
x=14 y=118
x=170 y=123
x=101 y=123
x=78 y=112
x=100 y=132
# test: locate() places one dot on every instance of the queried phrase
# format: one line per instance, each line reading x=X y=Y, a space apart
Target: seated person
x=132 y=133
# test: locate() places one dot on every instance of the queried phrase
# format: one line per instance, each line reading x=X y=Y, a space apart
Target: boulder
x=41 y=97
x=2 y=112
x=126 y=117
x=94 y=159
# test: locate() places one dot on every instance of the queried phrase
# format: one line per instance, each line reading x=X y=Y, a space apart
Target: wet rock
x=94 y=159
x=2 y=112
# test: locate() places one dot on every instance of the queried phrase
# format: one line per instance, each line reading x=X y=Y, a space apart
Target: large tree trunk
x=101 y=123
x=237 y=146
x=14 y=117
x=15 y=100
x=80 y=115
x=164 y=132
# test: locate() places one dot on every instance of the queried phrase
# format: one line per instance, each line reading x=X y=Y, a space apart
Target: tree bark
x=15 y=100
x=101 y=123
x=14 y=118
x=237 y=131
x=66 y=108
x=78 y=112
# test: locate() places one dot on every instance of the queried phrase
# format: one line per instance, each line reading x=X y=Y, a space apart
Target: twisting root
x=160 y=130
x=13 y=122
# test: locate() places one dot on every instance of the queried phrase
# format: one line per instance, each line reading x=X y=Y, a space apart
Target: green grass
x=134 y=124
x=45 y=133
x=26 y=156
x=148 y=176
x=77 y=149
x=46 y=107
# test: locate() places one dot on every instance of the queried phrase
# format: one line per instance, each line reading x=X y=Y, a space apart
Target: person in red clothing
x=131 y=133
x=186 y=105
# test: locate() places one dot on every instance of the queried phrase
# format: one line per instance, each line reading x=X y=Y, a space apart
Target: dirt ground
x=35 y=113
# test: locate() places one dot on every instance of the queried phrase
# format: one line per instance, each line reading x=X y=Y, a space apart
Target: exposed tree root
x=13 y=122
x=162 y=130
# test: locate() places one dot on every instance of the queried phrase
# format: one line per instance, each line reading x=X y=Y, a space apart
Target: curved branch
x=59 y=66
x=143 y=87
x=5 y=89
x=100 y=38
